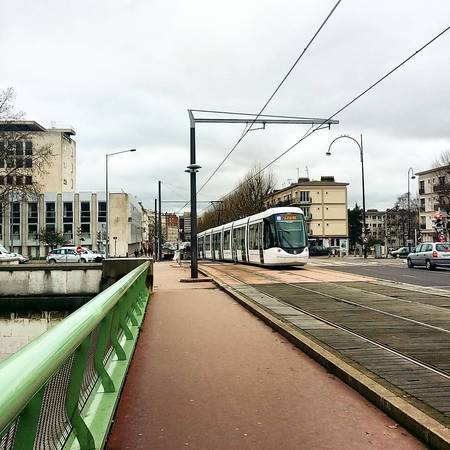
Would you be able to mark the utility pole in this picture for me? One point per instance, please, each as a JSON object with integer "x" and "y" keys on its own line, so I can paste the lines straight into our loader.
{"x": 155, "y": 232}
{"x": 159, "y": 223}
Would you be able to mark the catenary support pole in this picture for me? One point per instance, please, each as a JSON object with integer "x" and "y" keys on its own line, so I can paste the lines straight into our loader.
{"x": 159, "y": 223}
{"x": 155, "y": 233}
{"x": 193, "y": 175}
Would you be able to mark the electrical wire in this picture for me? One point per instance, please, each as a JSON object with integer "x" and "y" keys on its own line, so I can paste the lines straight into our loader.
{"x": 365, "y": 91}
{"x": 270, "y": 98}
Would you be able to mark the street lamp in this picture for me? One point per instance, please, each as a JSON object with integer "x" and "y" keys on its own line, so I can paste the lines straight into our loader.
{"x": 107, "y": 197}
{"x": 192, "y": 169}
{"x": 361, "y": 152}
{"x": 411, "y": 176}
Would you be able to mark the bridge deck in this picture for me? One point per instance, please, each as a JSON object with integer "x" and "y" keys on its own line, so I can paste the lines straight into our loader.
{"x": 207, "y": 374}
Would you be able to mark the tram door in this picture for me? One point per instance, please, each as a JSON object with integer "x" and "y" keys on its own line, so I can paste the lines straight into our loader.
{"x": 259, "y": 234}
{"x": 234, "y": 244}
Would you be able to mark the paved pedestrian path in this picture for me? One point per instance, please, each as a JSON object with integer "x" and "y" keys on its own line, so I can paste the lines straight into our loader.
{"x": 207, "y": 374}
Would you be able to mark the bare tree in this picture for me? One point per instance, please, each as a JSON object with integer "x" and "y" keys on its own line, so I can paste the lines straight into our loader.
{"x": 22, "y": 161}
{"x": 246, "y": 199}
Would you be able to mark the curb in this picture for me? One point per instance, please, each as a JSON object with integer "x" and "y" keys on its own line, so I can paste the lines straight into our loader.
{"x": 426, "y": 428}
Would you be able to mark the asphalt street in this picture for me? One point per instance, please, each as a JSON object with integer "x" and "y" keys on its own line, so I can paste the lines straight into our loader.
{"x": 439, "y": 278}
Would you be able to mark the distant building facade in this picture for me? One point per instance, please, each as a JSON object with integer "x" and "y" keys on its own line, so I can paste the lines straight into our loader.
{"x": 79, "y": 216}
{"x": 170, "y": 227}
{"x": 60, "y": 173}
{"x": 434, "y": 188}
{"x": 324, "y": 203}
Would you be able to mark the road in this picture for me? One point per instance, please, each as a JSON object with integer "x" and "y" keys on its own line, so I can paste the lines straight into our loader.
{"x": 394, "y": 270}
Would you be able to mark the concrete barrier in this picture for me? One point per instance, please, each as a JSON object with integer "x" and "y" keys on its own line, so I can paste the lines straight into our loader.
{"x": 47, "y": 281}
{"x": 116, "y": 268}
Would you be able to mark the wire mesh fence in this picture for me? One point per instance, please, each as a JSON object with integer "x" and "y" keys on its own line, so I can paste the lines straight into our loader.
{"x": 52, "y": 419}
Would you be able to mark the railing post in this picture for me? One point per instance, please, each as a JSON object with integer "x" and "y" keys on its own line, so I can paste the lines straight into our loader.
{"x": 28, "y": 422}
{"x": 102, "y": 341}
{"x": 82, "y": 432}
{"x": 120, "y": 353}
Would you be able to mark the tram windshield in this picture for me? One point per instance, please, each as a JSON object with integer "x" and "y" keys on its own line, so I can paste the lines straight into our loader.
{"x": 286, "y": 231}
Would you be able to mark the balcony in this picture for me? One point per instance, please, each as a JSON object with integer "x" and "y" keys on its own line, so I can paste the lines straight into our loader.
{"x": 423, "y": 226}
{"x": 441, "y": 188}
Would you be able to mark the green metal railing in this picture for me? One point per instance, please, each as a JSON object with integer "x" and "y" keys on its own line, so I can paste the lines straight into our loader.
{"x": 56, "y": 391}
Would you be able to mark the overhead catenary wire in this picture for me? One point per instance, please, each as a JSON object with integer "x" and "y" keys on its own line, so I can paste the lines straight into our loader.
{"x": 346, "y": 105}
{"x": 269, "y": 99}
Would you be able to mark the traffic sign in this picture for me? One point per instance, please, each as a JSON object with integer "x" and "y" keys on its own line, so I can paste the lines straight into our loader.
{"x": 78, "y": 250}
{"x": 365, "y": 240}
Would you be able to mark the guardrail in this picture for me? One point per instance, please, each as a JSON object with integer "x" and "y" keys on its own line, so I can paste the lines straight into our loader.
{"x": 60, "y": 391}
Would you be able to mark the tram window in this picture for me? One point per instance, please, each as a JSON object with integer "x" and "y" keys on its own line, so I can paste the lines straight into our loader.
{"x": 216, "y": 241}
{"x": 253, "y": 237}
{"x": 226, "y": 240}
{"x": 239, "y": 238}
{"x": 207, "y": 243}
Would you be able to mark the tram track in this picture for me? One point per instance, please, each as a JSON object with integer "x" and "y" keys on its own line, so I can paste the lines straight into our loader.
{"x": 419, "y": 363}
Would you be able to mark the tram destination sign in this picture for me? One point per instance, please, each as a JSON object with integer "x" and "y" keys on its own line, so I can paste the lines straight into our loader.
{"x": 287, "y": 217}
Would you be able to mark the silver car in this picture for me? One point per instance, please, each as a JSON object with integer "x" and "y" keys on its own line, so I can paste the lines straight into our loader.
{"x": 430, "y": 255}
{"x": 63, "y": 255}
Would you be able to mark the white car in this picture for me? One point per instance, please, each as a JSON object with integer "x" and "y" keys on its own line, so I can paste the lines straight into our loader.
{"x": 63, "y": 255}
{"x": 93, "y": 256}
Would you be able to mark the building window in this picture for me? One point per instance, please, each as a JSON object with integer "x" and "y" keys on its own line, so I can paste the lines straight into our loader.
{"x": 28, "y": 148}
{"x": 32, "y": 221}
{"x": 1, "y": 222}
{"x": 304, "y": 196}
{"x": 85, "y": 217}
{"x": 68, "y": 220}
{"x": 50, "y": 216}
{"x": 422, "y": 187}
{"x": 15, "y": 220}
{"x": 28, "y": 180}
{"x": 102, "y": 212}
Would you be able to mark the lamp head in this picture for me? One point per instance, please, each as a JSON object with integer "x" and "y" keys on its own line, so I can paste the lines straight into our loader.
{"x": 328, "y": 153}
{"x": 413, "y": 177}
{"x": 132, "y": 149}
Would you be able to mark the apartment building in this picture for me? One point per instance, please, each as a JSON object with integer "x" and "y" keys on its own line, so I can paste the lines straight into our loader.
{"x": 79, "y": 216}
{"x": 29, "y": 136}
{"x": 393, "y": 225}
{"x": 434, "y": 190}
{"x": 324, "y": 203}
{"x": 376, "y": 223}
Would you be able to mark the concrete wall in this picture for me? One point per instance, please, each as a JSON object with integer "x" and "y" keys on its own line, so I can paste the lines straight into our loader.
{"x": 46, "y": 281}
{"x": 18, "y": 329}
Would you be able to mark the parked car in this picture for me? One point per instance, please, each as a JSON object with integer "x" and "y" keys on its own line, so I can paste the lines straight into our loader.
{"x": 93, "y": 256}
{"x": 319, "y": 250}
{"x": 63, "y": 255}
{"x": 3, "y": 252}
{"x": 401, "y": 252}
{"x": 430, "y": 255}
{"x": 18, "y": 256}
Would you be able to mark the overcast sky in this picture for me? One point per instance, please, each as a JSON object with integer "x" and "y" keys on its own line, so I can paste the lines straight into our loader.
{"x": 123, "y": 73}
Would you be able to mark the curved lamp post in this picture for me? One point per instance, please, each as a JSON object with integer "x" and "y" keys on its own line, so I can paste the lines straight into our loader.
{"x": 360, "y": 146}
{"x": 107, "y": 199}
{"x": 411, "y": 176}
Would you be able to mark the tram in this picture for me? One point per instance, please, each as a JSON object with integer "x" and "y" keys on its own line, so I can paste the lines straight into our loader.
{"x": 274, "y": 237}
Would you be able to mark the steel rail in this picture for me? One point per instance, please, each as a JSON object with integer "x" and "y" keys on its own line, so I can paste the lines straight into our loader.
{"x": 23, "y": 374}
{"x": 333, "y": 297}
{"x": 340, "y": 327}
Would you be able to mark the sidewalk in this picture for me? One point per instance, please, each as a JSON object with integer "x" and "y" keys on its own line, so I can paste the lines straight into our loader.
{"x": 207, "y": 374}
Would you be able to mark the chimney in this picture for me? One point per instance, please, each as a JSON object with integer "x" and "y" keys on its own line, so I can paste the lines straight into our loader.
{"x": 303, "y": 180}
{"x": 327, "y": 179}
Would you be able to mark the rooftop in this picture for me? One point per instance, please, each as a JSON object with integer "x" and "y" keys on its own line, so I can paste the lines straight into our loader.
{"x": 434, "y": 169}
{"x": 31, "y": 126}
